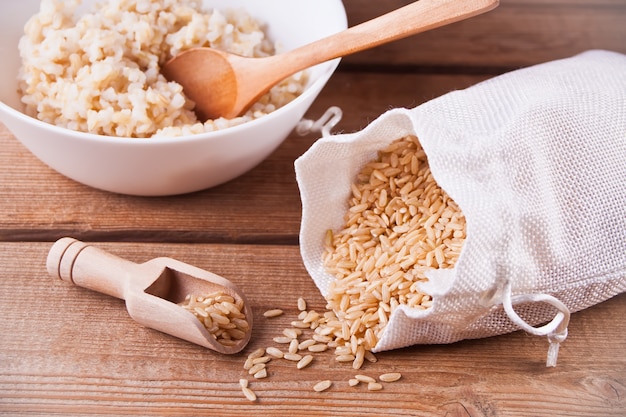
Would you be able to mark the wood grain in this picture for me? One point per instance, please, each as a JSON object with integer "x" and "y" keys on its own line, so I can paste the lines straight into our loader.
{"x": 69, "y": 350}
{"x": 516, "y": 34}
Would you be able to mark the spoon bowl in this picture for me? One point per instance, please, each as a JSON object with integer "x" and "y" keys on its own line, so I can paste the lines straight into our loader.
{"x": 230, "y": 84}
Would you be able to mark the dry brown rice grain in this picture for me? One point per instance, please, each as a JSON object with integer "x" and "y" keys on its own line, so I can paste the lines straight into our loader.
{"x": 305, "y": 344}
{"x": 374, "y": 386}
{"x": 249, "y": 363}
{"x": 321, "y": 338}
{"x": 250, "y": 395}
{"x": 319, "y": 347}
{"x": 322, "y": 385}
{"x": 343, "y": 350}
{"x": 344, "y": 358}
{"x": 273, "y": 313}
{"x": 298, "y": 324}
{"x": 274, "y": 352}
{"x": 311, "y": 317}
{"x": 364, "y": 378}
{"x": 256, "y": 368}
{"x": 257, "y": 353}
{"x": 359, "y": 357}
{"x": 301, "y": 304}
{"x": 262, "y": 359}
{"x": 283, "y": 340}
{"x": 292, "y": 356}
{"x": 353, "y": 382}
{"x": 294, "y": 346}
{"x": 390, "y": 377}
{"x": 305, "y": 361}
{"x": 370, "y": 357}
{"x": 261, "y": 374}
{"x": 292, "y": 333}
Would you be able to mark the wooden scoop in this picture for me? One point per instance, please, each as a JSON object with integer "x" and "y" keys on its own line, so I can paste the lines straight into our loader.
{"x": 152, "y": 290}
{"x": 226, "y": 85}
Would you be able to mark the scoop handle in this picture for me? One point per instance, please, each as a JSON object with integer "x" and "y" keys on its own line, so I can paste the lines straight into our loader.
{"x": 89, "y": 267}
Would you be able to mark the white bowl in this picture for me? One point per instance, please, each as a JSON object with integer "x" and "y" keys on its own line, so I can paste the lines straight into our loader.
{"x": 168, "y": 166}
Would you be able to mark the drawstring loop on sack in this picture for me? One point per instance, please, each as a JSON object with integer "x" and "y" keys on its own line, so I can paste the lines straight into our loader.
{"x": 555, "y": 330}
{"x": 324, "y": 124}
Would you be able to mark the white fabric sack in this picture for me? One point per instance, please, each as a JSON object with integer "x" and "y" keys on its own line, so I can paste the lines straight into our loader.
{"x": 536, "y": 160}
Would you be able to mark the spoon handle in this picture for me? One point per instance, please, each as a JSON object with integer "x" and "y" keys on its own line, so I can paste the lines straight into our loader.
{"x": 89, "y": 267}
{"x": 419, "y": 16}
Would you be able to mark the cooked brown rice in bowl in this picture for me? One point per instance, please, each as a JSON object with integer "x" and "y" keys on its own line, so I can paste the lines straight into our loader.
{"x": 97, "y": 71}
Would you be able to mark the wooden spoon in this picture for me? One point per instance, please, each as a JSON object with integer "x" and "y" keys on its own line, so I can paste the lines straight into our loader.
{"x": 152, "y": 290}
{"x": 226, "y": 85}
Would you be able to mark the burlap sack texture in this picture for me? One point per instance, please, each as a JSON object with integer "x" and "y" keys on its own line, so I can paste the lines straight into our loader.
{"x": 536, "y": 160}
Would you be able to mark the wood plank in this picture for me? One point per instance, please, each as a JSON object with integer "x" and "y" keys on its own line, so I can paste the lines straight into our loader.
{"x": 38, "y": 204}
{"x": 69, "y": 351}
{"x": 517, "y": 34}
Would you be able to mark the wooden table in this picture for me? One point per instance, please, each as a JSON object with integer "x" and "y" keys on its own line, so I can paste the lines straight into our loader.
{"x": 65, "y": 350}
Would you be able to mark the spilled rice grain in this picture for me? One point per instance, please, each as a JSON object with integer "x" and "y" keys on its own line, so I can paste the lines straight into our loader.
{"x": 261, "y": 374}
{"x": 250, "y": 395}
{"x": 256, "y": 368}
{"x": 374, "y": 386}
{"x": 364, "y": 378}
{"x": 273, "y": 313}
{"x": 304, "y": 362}
{"x": 390, "y": 377}
{"x": 295, "y": 357}
{"x": 274, "y": 352}
{"x": 322, "y": 385}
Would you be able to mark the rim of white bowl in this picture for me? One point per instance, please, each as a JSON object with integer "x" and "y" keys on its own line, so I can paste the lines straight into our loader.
{"x": 321, "y": 79}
